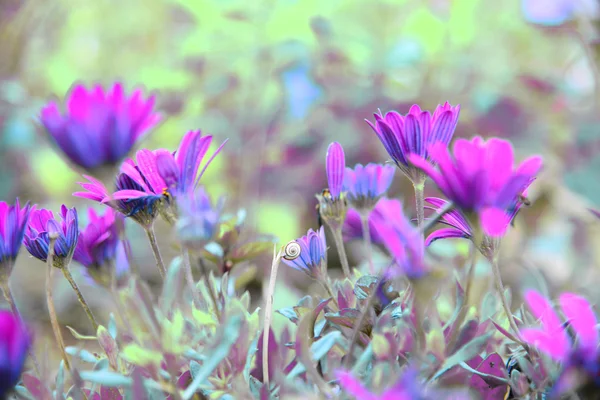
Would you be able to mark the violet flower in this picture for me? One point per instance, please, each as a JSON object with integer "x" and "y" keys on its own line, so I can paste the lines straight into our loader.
{"x": 99, "y": 127}
{"x": 480, "y": 178}
{"x": 15, "y": 341}
{"x": 99, "y": 248}
{"x": 332, "y": 204}
{"x": 307, "y": 254}
{"x": 406, "y": 388}
{"x": 42, "y": 224}
{"x": 413, "y": 133}
{"x": 198, "y": 220}
{"x": 13, "y": 221}
{"x": 365, "y": 185}
{"x": 384, "y": 209}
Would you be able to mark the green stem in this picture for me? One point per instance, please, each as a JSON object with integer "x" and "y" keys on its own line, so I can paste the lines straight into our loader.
{"x": 339, "y": 244}
{"x": 500, "y": 289}
{"x": 84, "y": 305}
{"x": 268, "y": 313}
{"x": 420, "y": 203}
{"x": 156, "y": 251}
{"x": 364, "y": 219}
{"x": 189, "y": 277}
{"x": 50, "y": 300}
{"x": 210, "y": 288}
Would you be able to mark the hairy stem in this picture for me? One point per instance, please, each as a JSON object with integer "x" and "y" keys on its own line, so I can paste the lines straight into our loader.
{"x": 268, "y": 311}
{"x": 339, "y": 244}
{"x": 500, "y": 289}
{"x": 364, "y": 219}
{"x": 156, "y": 251}
{"x": 50, "y": 300}
{"x": 13, "y": 306}
{"x": 420, "y": 203}
{"x": 84, "y": 305}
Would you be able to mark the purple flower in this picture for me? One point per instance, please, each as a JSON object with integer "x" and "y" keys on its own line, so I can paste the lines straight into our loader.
{"x": 41, "y": 224}
{"x": 557, "y": 12}
{"x": 307, "y": 253}
{"x": 100, "y": 127}
{"x": 552, "y": 339}
{"x": 366, "y": 185}
{"x": 414, "y": 133}
{"x": 13, "y": 220}
{"x": 15, "y": 341}
{"x": 179, "y": 171}
{"x": 384, "y": 209}
{"x": 480, "y": 178}
{"x": 406, "y": 388}
{"x": 402, "y": 240}
{"x": 336, "y": 163}
{"x": 198, "y": 220}
{"x": 99, "y": 248}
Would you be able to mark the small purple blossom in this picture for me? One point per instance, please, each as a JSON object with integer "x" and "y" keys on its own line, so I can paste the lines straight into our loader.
{"x": 307, "y": 253}
{"x": 385, "y": 209}
{"x": 480, "y": 178}
{"x": 15, "y": 341}
{"x": 198, "y": 220}
{"x": 413, "y": 133}
{"x": 42, "y": 224}
{"x": 365, "y": 185}
{"x": 99, "y": 127}
{"x": 99, "y": 244}
{"x": 335, "y": 165}
{"x": 13, "y": 221}
{"x": 407, "y": 387}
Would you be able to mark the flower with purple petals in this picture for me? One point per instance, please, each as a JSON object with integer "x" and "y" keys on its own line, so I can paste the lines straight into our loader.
{"x": 15, "y": 341}
{"x": 99, "y": 127}
{"x": 385, "y": 209}
{"x": 480, "y": 178}
{"x": 307, "y": 254}
{"x": 365, "y": 185}
{"x": 42, "y": 224}
{"x": 179, "y": 170}
{"x": 406, "y": 388}
{"x": 413, "y": 133}
{"x": 332, "y": 204}
{"x": 13, "y": 221}
{"x": 98, "y": 247}
{"x": 552, "y": 338}
{"x": 198, "y": 220}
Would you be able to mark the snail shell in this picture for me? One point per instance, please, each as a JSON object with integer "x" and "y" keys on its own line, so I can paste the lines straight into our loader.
{"x": 291, "y": 251}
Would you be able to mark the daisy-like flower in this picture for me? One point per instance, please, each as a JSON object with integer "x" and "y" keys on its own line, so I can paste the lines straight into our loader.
{"x": 413, "y": 133}
{"x": 384, "y": 209}
{"x": 15, "y": 341}
{"x": 332, "y": 205}
{"x": 13, "y": 221}
{"x": 307, "y": 254}
{"x": 406, "y": 388}
{"x": 365, "y": 185}
{"x": 42, "y": 224}
{"x": 551, "y": 338}
{"x": 480, "y": 178}
{"x": 100, "y": 127}
{"x": 99, "y": 248}
{"x": 198, "y": 220}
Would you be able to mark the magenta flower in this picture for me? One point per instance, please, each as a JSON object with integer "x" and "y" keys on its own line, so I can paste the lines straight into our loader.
{"x": 307, "y": 253}
{"x": 366, "y": 185}
{"x": 98, "y": 247}
{"x": 384, "y": 209}
{"x": 407, "y": 387}
{"x": 13, "y": 221}
{"x": 480, "y": 178}
{"x": 179, "y": 171}
{"x": 41, "y": 224}
{"x": 336, "y": 163}
{"x": 99, "y": 127}
{"x": 15, "y": 341}
{"x": 414, "y": 133}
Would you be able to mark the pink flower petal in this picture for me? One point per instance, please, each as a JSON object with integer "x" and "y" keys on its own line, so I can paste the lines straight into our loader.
{"x": 557, "y": 349}
{"x": 582, "y": 318}
{"x": 494, "y": 221}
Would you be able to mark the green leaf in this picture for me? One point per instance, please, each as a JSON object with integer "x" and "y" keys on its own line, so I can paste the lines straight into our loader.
{"x": 82, "y": 354}
{"x": 60, "y": 382}
{"x": 79, "y": 336}
{"x": 106, "y": 378}
{"x": 140, "y": 356}
{"x": 109, "y": 345}
{"x": 112, "y": 326}
{"x": 228, "y": 337}
{"x": 467, "y": 352}
{"x": 173, "y": 286}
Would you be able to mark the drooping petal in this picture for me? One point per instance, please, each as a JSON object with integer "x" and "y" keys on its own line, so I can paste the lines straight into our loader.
{"x": 335, "y": 165}
{"x": 582, "y": 318}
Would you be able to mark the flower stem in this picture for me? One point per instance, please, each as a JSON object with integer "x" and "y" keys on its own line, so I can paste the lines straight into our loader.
{"x": 189, "y": 277}
{"x": 268, "y": 311}
{"x": 500, "y": 289}
{"x": 210, "y": 288}
{"x": 84, "y": 305}
{"x": 339, "y": 244}
{"x": 159, "y": 262}
{"x": 50, "y": 300}
{"x": 13, "y": 306}
{"x": 359, "y": 324}
{"x": 364, "y": 219}
{"x": 419, "y": 187}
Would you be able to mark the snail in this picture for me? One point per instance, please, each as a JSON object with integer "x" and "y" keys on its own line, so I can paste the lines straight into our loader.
{"x": 291, "y": 251}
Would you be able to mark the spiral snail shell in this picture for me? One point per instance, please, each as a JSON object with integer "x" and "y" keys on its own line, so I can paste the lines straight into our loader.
{"x": 291, "y": 251}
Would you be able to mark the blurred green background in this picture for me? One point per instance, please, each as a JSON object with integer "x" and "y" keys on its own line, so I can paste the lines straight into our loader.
{"x": 283, "y": 78}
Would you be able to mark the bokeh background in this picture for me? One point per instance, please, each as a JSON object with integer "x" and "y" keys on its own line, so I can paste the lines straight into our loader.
{"x": 283, "y": 78}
